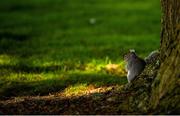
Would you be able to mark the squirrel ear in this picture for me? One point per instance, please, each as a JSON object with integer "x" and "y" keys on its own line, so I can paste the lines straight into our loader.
{"x": 132, "y": 50}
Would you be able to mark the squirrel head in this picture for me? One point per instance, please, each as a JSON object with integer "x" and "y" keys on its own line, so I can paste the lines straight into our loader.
{"x": 130, "y": 55}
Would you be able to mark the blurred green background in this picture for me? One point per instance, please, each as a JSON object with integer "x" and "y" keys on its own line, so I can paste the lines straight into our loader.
{"x": 48, "y": 45}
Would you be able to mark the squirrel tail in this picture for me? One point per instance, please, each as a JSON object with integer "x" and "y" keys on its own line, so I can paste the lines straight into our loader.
{"x": 152, "y": 57}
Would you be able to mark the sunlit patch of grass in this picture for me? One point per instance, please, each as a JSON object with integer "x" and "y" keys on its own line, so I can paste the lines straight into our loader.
{"x": 4, "y": 59}
{"x": 106, "y": 66}
{"x": 77, "y": 89}
{"x": 115, "y": 69}
{"x": 25, "y": 77}
{"x": 7, "y": 59}
{"x": 83, "y": 89}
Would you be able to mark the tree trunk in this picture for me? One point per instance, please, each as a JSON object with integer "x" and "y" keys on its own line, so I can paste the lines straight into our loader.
{"x": 166, "y": 87}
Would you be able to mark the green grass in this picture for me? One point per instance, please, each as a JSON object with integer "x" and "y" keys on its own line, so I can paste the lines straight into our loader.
{"x": 46, "y": 46}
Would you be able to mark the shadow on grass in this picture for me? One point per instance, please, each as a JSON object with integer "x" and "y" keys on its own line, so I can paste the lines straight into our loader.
{"x": 12, "y": 42}
{"x": 45, "y": 87}
{"x": 23, "y": 68}
{"x": 13, "y": 36}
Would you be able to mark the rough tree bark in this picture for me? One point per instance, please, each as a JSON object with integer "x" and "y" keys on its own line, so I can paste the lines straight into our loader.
{"x": 166, "y": 87}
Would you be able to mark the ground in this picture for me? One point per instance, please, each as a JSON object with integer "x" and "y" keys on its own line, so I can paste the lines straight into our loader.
{"x": 94, "y": 103}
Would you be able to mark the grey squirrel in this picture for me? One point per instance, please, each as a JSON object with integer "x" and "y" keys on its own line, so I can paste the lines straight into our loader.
{"x": 135, "y": 65}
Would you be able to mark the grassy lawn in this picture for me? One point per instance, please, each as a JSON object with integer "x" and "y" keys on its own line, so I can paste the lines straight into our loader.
{"x": 51, "y": 45}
